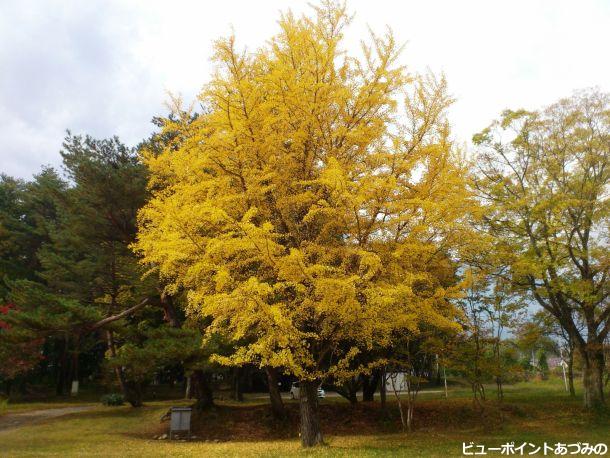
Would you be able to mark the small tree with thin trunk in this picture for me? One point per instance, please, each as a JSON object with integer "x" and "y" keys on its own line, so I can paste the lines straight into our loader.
{"x": 565, "y": 343}
{"x": 411, "y": 364}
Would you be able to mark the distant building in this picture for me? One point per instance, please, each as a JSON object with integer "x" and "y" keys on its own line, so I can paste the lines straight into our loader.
{"x": 396, "y": 381}
{"x": 556, "y": 361}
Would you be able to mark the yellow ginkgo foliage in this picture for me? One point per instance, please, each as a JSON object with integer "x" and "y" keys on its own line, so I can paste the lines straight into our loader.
{"x": 307, "y": 209}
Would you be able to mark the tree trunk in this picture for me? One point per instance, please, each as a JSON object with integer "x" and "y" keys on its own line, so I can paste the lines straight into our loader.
{"x": 369, "y": 385}
{"x": 439, "y": 377}
{"x": 382, "y": 390}
{"x": 593, "y": 371}
{"x": 347, "y": 393}
{"x": 202, "y": 390}
{"x": 275, "y": 397}
{"x": 61, "y": 369}
{"x": 23, "y": 386}
{"x": 403, "y": 420}
{"x": 238, "y": 394}
{"x": 478, "y": 394}
{"x": 188, "y": 393}
{"x": 311, "y": 434}
{"x": 410, "y": 411}
{"x": 571, "y": 371}
{"x": 134, "y": 393}
{"x": 349, "y": 390}
{"x": 499, "y": 389}
{"x": 74, "y": 369}
{"x": 352, "y": 396}
{"x": 169, "y": 311}
{"x": 117, "y": 370}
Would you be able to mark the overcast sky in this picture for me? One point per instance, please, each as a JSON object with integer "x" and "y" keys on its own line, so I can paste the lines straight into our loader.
{"x": 104, "y": 67}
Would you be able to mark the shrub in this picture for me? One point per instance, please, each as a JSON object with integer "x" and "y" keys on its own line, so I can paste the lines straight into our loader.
{"x": 113, "y": 399}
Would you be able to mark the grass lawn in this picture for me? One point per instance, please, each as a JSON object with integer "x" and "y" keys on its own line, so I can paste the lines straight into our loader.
{"x": 533, "y": 412}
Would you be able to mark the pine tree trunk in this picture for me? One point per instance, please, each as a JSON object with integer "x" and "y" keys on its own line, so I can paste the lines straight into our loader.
{"x": 169, "y": 311}
{"x": 74, "y": 369}
{"x": 23, "y": 386}
{"x": 593, "y": 371}
{"x": 202, "y": 390}
{"x": 311, "y": 434}
{"x": 61, "y": 369}
{"x": 117, "y": 370}
{"x": 275, "y": 397}
{"x": 134, "y": 394}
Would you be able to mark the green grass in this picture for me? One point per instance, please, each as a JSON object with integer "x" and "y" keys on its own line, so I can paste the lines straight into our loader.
{"x": 538, "y": 412}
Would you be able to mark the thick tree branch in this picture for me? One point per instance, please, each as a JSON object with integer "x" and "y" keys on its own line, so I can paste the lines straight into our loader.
{"x": 123, "y": 314}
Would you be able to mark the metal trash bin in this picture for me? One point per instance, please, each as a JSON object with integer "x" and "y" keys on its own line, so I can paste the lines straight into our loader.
{"x": 180, "y": 421}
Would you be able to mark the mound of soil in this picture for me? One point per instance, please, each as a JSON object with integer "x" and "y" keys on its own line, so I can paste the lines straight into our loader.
{"x": 255, "y": 422}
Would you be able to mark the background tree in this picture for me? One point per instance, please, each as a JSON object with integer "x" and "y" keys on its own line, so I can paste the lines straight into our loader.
{"x": 89, "y": 259}
{"x": 147, "y": 351}
{"x": 505, "y": 313}
{"x": 411, "y": 363}
{"x": 470, "y": 352}
{"x": 27, "y": 212}
{"x": 19, "y": 353}
{"x": 66, "y": 259}
{"x": 544, "y": 177}
{"x": 565, "y": 343}
{"x": 533, "y": 338}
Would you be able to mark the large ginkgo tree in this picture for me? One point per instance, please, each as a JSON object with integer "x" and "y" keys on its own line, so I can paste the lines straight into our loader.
{"x": 306, "y": 209}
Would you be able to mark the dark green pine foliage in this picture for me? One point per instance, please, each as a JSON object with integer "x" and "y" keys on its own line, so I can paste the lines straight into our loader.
{"x": 66, "y": 252}
{"x": 67, "y": 264}
{"x": 89, "y": 258}
{"x": 27, "y": 211}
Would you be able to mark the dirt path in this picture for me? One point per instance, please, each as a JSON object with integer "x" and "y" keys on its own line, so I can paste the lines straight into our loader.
{"x": 16, "y": 420}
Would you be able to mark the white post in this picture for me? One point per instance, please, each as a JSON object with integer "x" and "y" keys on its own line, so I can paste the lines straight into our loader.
{"x": 563, "y": 368}
{"x": 74, "y": 390}
{"x": 445, "y": 377}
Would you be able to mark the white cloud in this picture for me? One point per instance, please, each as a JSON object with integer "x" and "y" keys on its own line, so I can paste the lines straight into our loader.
{"x": 104, "y": 68}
